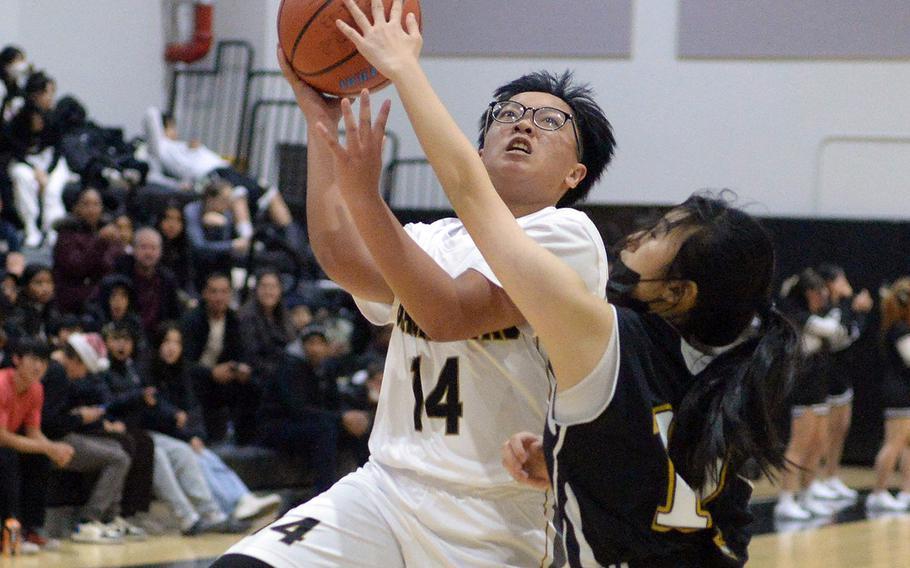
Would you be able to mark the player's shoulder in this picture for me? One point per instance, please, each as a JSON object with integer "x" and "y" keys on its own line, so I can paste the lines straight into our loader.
{"x": 420, "y": 230}
{"x": 561, "y": 223}
{"x": 562, "y": 216}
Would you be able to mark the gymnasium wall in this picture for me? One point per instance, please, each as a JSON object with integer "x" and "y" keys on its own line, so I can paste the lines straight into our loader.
{"x": 801, "y": 137}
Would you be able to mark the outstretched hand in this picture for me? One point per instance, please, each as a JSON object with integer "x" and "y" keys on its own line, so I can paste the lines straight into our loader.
{"x": 358, "y": 163}
{"x": 317, "y": 108}
{"x": 522, "y": 456}
{"x": 388, "y": 46}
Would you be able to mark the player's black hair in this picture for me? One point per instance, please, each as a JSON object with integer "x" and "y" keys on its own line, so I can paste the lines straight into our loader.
{"x": 594, "y": 130}
{"x": 732, "y": 410}
{"x": 22, "y": 346}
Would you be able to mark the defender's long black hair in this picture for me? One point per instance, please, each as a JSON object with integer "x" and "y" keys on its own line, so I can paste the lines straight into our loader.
{"x": 594, "y": 130}
{"x": 731, "y": 413}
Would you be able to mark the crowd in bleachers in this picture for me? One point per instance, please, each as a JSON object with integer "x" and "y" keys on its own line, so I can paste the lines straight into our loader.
{"x": 156, "y": 301}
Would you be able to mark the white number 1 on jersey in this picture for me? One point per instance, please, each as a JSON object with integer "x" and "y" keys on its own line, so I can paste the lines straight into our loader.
{"x": 683, "y": 509}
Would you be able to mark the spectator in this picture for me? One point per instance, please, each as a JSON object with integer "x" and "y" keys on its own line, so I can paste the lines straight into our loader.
{"x": 9, "y": 287}
{"x": 178, "y": 479}
{"x": 99, "y": 155}
{"x": 301, "y": 413}
{"x": 35, "y": 313}
{"x": 85, "y": 252}
{"x": 175, "y": 254}
{"x": 41, "y": 91}
{"x": 38, "y": 173}
{"x": 214, "y": 349}
{"x": 155, "y": 287}
{"x": 74, "y": 413}
{"x": 193, "y": 163}
{"x": 214, "y": 244}
{"x": 300, "y": 313}
{"x": 178, "y": 419}
{"x": 14, "y": 72}
{"x": 125, "y": 231}
{"x": 116, "y": 304}
{"x": 11, "y": 259}
{"x": 265, "y": 324}
{"x": 24, "y": 450}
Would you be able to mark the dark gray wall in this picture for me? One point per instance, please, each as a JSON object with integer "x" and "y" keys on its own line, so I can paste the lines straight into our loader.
{"x": 585, "y": 28}
{"x": 803, "y": 29}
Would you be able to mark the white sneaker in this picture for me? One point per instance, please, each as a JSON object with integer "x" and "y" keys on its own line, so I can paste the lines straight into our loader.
{"x": 819, "y": 490}
{"x": 838, "y": 486}
{"x": 817, "y": 507}
{"x": 883, "y": 501}
{"x": 96, "y": 533}
{"x": 904, "y": 499}
{"x": 28, "y": 548}
{"x": 128, "y": 530}
{"x": 788, "y": 508}
{"x": 250, "y": 505}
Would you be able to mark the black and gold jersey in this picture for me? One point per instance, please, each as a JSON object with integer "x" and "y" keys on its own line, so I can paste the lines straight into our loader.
{"x": 618, "y": 499}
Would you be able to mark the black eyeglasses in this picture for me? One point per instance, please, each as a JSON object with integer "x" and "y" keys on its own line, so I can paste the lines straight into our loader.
{"x": 545, "y": 118}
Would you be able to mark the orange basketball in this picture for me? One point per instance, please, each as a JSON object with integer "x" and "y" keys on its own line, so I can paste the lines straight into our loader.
{"x": 319, "y": 52}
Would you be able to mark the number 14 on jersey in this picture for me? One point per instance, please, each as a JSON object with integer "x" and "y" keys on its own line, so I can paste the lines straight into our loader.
{"x": 443, "y": 401}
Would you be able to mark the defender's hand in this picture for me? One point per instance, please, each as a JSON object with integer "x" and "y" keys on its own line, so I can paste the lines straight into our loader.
{"x": 522, "y": 456}
{"x": 388, "y": 46}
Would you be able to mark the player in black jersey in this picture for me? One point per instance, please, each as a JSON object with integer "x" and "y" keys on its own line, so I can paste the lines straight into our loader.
{"x": 853, "y": 310}
{"x": 659, "y": 404}
{"x": 807, "y": 303}
{"x": 895, "y": 330}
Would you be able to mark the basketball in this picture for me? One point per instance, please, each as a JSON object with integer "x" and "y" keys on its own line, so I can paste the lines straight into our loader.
{"x": 320, "y": 54}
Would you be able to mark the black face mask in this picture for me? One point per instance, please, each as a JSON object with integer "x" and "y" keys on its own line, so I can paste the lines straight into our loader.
{"x": 620, "y": 285}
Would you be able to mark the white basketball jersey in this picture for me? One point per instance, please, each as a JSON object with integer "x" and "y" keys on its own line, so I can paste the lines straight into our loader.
{"x": 446, "y": 408}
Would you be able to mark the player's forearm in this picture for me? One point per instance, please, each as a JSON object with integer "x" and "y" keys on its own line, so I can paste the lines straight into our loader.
{"x": 453, "y": 157}
{"x": 426, "y": 290}
{"x": 338, "y": 247}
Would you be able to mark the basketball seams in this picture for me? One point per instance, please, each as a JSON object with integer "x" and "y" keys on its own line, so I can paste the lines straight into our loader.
{"x": 341, "y": 73}
{"x": 306, "y": 26}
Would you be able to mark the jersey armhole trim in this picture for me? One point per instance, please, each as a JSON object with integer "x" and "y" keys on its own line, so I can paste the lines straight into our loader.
{"x": 590, "y": 397}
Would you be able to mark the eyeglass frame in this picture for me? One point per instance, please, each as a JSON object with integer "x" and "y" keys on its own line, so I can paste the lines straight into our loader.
{"x": 569, "y": 118}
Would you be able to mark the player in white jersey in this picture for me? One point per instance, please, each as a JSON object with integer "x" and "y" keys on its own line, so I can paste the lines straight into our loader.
{"x": 463, "y": 369}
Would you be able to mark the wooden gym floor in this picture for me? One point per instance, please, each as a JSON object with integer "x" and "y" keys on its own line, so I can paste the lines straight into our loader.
{"x": 860, "y": 543}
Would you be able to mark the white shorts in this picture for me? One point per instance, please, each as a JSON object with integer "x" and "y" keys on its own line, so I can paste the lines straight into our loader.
{"x": 389, "y": 518}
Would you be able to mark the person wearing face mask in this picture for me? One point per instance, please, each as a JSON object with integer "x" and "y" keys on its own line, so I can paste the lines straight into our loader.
{"x": 14, "y": 72}
{"x": 627, "y": 488}
{"x": 38, "y": 171}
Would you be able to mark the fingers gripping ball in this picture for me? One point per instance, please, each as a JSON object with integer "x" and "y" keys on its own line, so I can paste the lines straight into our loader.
{"x": 320, "y": 54}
